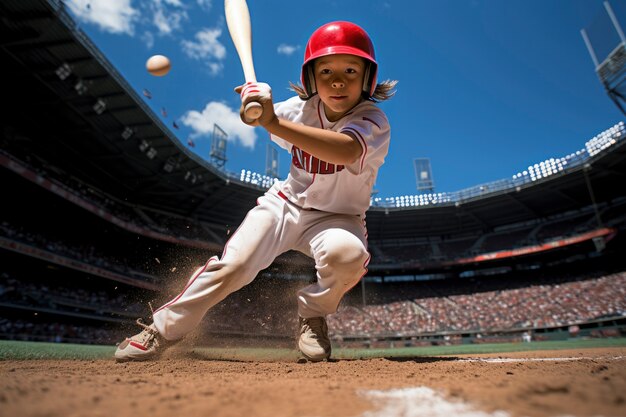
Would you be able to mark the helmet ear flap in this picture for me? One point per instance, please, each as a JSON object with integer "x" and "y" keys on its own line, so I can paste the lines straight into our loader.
{"x": 366, "y": 79}
{"x": 308, "y": 80}
{"x": 369, "y": 78}
{"x": 310, "y": 86}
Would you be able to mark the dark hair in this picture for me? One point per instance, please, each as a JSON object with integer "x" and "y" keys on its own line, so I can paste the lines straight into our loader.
{"x": 383, "y": 91}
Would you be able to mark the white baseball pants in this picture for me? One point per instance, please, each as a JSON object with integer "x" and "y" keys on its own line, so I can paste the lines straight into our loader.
{"x": 337, "y": 243}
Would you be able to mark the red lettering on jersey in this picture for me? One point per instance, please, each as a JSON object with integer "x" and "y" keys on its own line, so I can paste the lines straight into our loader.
{"x": 305, "y": 161}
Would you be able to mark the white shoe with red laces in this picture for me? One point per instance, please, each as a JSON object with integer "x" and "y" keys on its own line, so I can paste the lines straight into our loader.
{"x": 145, "y": 345}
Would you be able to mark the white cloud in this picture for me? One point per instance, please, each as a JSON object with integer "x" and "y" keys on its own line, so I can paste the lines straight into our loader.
{"x": 215, "y": 67}
{"x": 285, "y": 49}
{"x": 119, "y": 16}
{"x": 115, "y": 16}
{"x": 206, "y": 46}
{"x": 205, "y": 4}
{"x": 168, "y": 20}
{"x": 148, "y": 39}
{"x": 228, "y": 119}
{"x": 175, "y": 3}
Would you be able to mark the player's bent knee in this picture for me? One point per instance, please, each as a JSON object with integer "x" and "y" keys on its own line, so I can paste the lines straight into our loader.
{"x": 347, "y": 256}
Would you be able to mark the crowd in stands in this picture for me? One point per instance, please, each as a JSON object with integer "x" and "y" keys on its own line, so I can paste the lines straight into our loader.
{"x": 38, "y": 304}
{"x": 56, "y": 332}
{"x": 138, "y": 217}
{"x": 532, "y": 306}
{"x": 82, "y": 253}
{"x": 88, "y": 302}
{"x": 427, "y": 308}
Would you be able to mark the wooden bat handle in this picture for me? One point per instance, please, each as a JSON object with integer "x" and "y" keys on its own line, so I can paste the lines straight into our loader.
{"x": 253, "y": 110}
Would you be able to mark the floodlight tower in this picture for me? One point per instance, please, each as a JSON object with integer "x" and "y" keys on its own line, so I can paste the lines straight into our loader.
{"x": 271, "y": 162}
{"x": 218, "y": 146}
{"x": 612, "y": 69}
{"x": 423, "y": 175}
{"x": 605, "y": 37}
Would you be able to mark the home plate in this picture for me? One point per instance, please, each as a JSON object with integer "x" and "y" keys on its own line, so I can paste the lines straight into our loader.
{"x": 420, "y": 402}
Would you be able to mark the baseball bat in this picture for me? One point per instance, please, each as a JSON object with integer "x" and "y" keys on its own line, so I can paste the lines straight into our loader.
{"x": 238, "y": 22}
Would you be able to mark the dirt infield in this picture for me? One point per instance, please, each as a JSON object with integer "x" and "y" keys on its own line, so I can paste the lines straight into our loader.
{"x": 584, "y": 382}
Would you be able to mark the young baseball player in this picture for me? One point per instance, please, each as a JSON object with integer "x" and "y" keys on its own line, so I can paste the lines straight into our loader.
{"x": 338, "y": 138}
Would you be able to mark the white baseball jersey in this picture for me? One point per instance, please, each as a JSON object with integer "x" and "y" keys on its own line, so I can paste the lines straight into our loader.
{"x": 320, "y": 185}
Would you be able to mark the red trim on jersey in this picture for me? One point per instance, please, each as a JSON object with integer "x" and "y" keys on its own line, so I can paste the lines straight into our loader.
{"x": 361, "y": 141}
{"x": 191, "y": 281}
{"x": 371, "y": 121}
{"x": 319, "y": 114}
{"x": 283, "y": 196}
{"x": 138, "y": 345}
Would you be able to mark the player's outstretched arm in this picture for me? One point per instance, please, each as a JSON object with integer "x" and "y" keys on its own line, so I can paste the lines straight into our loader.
{"x": 333, "y": 147}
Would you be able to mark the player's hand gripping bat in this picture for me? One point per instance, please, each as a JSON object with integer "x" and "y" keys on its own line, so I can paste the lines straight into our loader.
{"x": 238, "y": 21}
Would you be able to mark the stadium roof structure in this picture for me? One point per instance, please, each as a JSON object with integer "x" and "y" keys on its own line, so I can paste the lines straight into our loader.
{"x": 600, "y": 179}
{"x": 71, "y": 109}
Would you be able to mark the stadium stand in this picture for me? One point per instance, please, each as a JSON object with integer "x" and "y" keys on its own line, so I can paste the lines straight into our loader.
{"x": 488, "y": 307}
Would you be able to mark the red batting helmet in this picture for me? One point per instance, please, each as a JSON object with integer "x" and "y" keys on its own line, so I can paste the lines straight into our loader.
{"x": 339, "y": 38}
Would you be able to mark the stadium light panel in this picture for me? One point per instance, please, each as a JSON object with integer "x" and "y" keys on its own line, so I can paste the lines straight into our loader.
{"x": 64, "y": 71}
{"x": 80, "y": 87}
{"x": 143, "y": 145}
{"x": 100, "y": 106}
{"x": 170, "y": 164}
{"x": 127, "y": 133}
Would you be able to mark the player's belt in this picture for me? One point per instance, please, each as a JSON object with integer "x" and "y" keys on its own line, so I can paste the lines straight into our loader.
{"x": 284, "y": 197}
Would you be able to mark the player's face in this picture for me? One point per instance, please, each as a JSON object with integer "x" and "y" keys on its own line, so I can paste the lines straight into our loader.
{"x": 339, "y": 82}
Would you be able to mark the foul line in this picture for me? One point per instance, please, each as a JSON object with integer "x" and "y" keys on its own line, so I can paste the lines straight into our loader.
{"x": 507, "y": 360}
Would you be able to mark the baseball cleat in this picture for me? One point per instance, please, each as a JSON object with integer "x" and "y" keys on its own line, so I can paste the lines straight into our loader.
{"x": 313, "y": 341}
{"x": 145, "y": 345}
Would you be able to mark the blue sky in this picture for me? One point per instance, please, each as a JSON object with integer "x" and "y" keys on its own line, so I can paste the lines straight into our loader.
{"x": 486, "y": 87}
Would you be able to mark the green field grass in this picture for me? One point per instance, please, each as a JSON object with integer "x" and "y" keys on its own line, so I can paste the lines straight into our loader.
{"x": 13, "y": 350}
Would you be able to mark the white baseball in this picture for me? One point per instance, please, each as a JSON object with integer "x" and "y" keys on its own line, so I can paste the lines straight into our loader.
{"x": 158, "y": 65}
